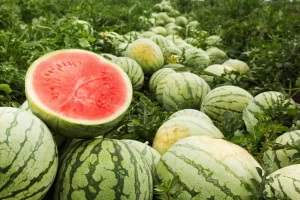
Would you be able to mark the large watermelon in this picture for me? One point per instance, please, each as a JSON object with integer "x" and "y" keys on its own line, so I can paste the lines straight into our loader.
{"x": 103, "y": 169}
{"x": 210, "y": 168}
{"x": 147, "y": 53}
{"x": 28, "y": 155}
{"x": 192, "y": 112}
{"x": 157, "y": 77}
{"x": 283, "y": 183}
{"x": 77, "y": 93}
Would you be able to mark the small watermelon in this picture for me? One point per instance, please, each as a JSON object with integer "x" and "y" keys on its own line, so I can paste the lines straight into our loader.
{"x": 133, "y": 70}
{"x": 77, "y": 93}
{"x": 237, "y": 65}
{"x": 28, "y": 155}
{"x": 103, "y": 169}
{"x": 147, "y": 53}
{"x": 225, "y": 98}
{"x": 209, "y": 168}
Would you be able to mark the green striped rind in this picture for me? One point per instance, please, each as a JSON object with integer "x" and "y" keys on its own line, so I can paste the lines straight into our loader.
{"x": 28, "y": 156}
{"x": 157, "y": 77}
{"x": 225, "y": 98}
{"x": 132, "y": 69}
{"x": 276, "y": 159}
{"x": 59, "y": 139}
{"x": 171, "y": 50}
{"x": 183, "y": 46}
{"x": 215, "y": 70}
{"x": 262, "y": 102}
{"x": 147, "y": 53}
{"x": 103, "y": 169}
{"x": 162, "y": 42}
{"x": 196, "y": 58}
{"x": 192, "y": 112}
{"x": 180, "y": 127}
{"x": 210, "y": 168}
{"x": 147, "y": 34}
{"x": 237, "y": 65}
{"x": 216, "y": 55}
{"x": 151, "y": 155}
{"x": 283, "y": 183}
{"x": 161, "y": 86}
{"x": 184, "y": 90}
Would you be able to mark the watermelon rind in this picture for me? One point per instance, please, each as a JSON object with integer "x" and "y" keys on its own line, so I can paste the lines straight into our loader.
{"x": 28, "y": 155}
{"x": 103, "y": 169}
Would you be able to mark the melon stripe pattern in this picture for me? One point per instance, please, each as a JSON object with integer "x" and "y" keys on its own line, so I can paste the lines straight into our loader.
{"x": 184, "y": 90}
{"x": 196, "y": 58}
{"x": 283, "y": 183}
{"x": 162, "y": 42}
{"x": 192, "y": 112}
{"x": 225, "y": 98}
{"x": 103, "y": 169}
{"x": 210, "y": 168}
{"x": 267, "y": 100}
{"x": 59, "y": 139}
{"x": 132, "y": 69}
{"x": 28, "y": 155}
{"x": 180, "y": 127}
{"x": 276, "y": 159}
{"x": 159, "y": 91}
{"x": 157, "y": 77}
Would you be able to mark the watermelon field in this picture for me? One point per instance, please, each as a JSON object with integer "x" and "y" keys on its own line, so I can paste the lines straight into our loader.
{"x": 149, "y": 99}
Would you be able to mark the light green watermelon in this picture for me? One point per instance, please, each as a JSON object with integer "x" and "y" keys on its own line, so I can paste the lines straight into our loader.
{"x": 225, "y": 98}
{"x": 213, "y": 40}
{"x": 157, "y": 77}
{"x": 180, "y": 127}
{"x": 28, "y": 155}
{"x": 132, "y": 69}
{"x": 77, "y": 93}
{"x": 103, "y": 169}
{"x": 162, "y": 42}
{"x": 184, "y": 90}
{"x": 209, "y": 168}
{"x": 237, "y": 65}
{"x": 283, "y": 183}
{"x": 266, "y": 101}
{"x": 147, "y": 53}
{"x": 196, "y": 58}
{"x": 192, "y": 112}
{"x": 216, "y": 55}
{"x": 274, "y": 159}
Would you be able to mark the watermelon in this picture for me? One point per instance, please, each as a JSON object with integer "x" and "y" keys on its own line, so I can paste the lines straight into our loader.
{"x": 133, "y": 70}
{"x": 162, "y": 42}
{"x": 213, "y": 40}
{"x": 160, "y": 84}
{"x": 209, "y": 168}
{"x": 59, "y": 139}
{"x": 159, "y": 29}
{"x": 265, "y": 102}
{"x": 157, "y": 77}
{"x": 216, "y": 55}
{"x": 77, "y": 93}
{"x": 181, "y": 21}
{"x": 192, "y": 112}
{"x": 216, "y": 70}
{"x": 28, "y": 155}
{"x": 274, "y": 159}
{"x": 237, "y": 65}
{"x": 147, "y": 53}
{"x": 225, "y": 98}
{"x": 103, "y": 169}
{"x": 180, "y": 127}
{"x": 184, "y": 90}
{"x": 151, "y": 155}
{"x": 196, "y": 58}
{"x": 283, "y": 183}
{"x": 171, "y": 50}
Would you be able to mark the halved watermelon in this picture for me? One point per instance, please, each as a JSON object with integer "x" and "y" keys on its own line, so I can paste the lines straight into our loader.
{"x": 77, "y": 93}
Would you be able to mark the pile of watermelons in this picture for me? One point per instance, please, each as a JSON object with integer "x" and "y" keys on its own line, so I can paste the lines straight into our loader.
{"x": 57, "y": 144}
